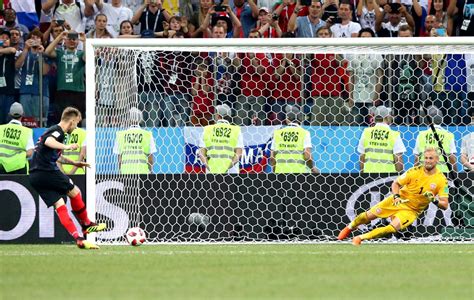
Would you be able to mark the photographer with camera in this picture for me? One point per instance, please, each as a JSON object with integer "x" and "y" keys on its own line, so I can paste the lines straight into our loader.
{"x": 342, "y": 26}
{"x": 396, "y": 12}
{"x": 7, "y": 79}
{"x": 268, "y": 25}
{"x": 224, "y": 17}
{"x": 307, "y": 26}
{"x": 28, "y": 62}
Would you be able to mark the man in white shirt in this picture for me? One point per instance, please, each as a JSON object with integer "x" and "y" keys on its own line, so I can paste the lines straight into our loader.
{"x": 116, "y": 13}
{"x": 346, "y": 28}
{"x": 70, "y": 11}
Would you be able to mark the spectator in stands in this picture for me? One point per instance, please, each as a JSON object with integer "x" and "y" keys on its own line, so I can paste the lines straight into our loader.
{"x": 367, "y": 11}
{"x": 283, "y": 12}
{"x": 287, "y": 80}
{"x": 176, "y": 24}
{"x": 54, "y": 29}
{"x": 100, "y": 29}
{"x": 365, "y": 81}
{"x": 395, "y": 12}
{"x": 247, "y": 13}
{"x": 405, "y": 31}
{"x": 256, "y": 75}
{"x": 176, "y": 69}
{"x": 7, "y": 77}
{"x": 70, "y": 11}
{"x": 346, "y": 28}
{"x": 202, "y": 89}
{"x": 126, "y": 30}
{"x": 116, "y": 13}
{"x": 71, "y": 70}
{"x": 150, "y": 16}
{"x": 197, "y": 28}
{"x": 430, "y": 23}
{"x": 306, "y": 26}
{"x": 28, "y": 62}
{"x": 11, "y": 22}
{"x": 462, "y": 12}
{"x": 267, "y": 25}
{"x": 327, "y": 88}
{"x": 330, "y": 9}
{"x": 16, "y": 41}
{"x": 226, "y": 19}
{"x": 439, "y": 9}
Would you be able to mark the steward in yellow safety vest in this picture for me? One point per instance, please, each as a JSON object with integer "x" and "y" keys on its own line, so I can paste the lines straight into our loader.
{"x": 426, "y": 139}
{"x": 291, "y": 146}
{"x": 222, "y": 143}
{"x": 380, "y": 147}
{"x": 135, "y": 147}
{"x": 16, "y": 143}
{"x": 78, "y": 136}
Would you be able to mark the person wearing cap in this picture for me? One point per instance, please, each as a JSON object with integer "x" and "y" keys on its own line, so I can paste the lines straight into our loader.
{"x": 291, "y": 146}
{"x": 135, "y": 146}
{"x": 467, "y": 146}
{"x": 380, "y": 147}
{"x": 427, "y": 139}
{"x": 77, "y": 136}
{"x": 7, "y": 75}
{"x": 226, "y": 19}
{"x": 16, "y": 143}
{"x": 221, "y": 144}
{"x": 268, "y": 25}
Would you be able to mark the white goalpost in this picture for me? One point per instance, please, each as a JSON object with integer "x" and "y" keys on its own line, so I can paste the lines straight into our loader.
{"x": 334, "y": 83}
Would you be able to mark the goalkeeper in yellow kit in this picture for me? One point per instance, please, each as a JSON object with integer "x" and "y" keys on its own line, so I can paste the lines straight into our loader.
{"x": 412, "y": 192}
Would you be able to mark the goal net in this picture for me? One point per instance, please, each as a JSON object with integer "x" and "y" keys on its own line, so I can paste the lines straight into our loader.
{"x": 171, "y": 88}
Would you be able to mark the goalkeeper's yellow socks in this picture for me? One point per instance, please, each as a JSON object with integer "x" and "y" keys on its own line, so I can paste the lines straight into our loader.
{"x": 378, "y": 232}
{"x": 359, "y": 220}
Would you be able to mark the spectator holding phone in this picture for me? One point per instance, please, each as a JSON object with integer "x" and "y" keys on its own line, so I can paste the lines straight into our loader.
{"x": 28, "y": 62}
{"x": 151, "y": 17}
{"x": 71, "y": 70}
{"x": 342, "y": 26}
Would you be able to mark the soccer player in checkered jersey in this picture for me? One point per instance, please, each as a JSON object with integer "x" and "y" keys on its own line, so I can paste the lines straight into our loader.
{"x": 53, "y": 186}
{"x": 412, "y": 192}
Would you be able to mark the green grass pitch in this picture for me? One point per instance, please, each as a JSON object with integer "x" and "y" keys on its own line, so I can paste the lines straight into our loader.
{"x": 238, "y": 271}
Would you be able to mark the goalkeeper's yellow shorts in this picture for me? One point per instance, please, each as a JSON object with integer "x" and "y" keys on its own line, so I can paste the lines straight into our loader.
{"x": 386, "y": 209}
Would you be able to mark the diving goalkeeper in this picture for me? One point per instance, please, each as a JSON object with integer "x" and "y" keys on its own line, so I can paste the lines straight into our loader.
{"x": 412, "y": 192}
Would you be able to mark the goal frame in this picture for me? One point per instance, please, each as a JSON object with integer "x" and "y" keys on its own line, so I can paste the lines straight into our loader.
{"x": 415, "y": 45}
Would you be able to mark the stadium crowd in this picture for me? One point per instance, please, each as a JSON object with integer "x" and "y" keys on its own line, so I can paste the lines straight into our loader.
{"x": 330, "y": 89}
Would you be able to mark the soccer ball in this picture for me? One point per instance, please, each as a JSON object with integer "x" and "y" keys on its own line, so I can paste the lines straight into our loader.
{"x": 135, "y": 236}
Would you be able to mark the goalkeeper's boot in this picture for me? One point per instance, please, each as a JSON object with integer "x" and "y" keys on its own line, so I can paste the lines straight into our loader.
{"x": 344, "y": 233}
{"x": 83, "y": 244}
{"x": 93, "y": 227}
{"x": 356, "y": 241}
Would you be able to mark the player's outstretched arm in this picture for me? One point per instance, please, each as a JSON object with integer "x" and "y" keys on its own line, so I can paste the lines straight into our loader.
{"x": 54, "y": 144}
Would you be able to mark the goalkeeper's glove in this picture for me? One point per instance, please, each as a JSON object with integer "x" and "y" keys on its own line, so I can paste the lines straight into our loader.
{"x": 429, "y": 196}
{"x": 397, "y": 200}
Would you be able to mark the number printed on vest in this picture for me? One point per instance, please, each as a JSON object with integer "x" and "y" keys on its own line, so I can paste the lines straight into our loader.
{"x": 430, "y": 139}
{"x": 74, "y": 138}
{"x": 222, "y": 132}
{"x": 12, "y": 133}
{"x": 379, "y": 134}
{"x": 290, "y": 136}
{"x": 134, "y": 138}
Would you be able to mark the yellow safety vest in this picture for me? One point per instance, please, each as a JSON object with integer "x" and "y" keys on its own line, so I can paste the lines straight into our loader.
{"x": 379, "y": 142}
{"x": 289, "y": 150}
{"x": 76, "y": 137}
{"x": 13, "y": 141}
{"x": 426, "y": 139}
{"x": 134, "y": 146}
{"x": 220, "y": 141}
